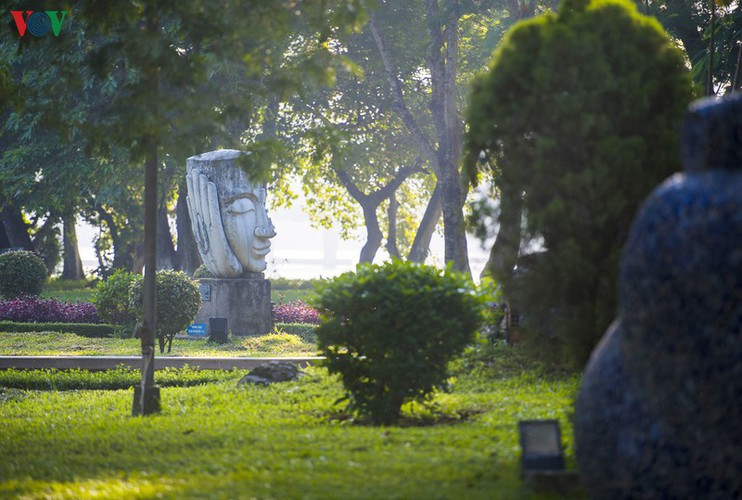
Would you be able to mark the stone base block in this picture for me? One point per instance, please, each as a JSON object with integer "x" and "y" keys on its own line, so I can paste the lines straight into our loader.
{"x": 245, "y": 302}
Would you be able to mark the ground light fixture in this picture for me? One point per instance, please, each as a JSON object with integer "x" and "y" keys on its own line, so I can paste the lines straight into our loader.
{"x": 541, "y": 446}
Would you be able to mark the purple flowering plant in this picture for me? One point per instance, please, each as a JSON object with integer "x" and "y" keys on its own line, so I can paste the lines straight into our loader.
{"x": 35, "y": 310}
{"x": 296, "y": 311}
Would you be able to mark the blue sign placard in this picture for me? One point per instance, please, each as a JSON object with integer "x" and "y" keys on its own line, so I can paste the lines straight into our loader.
{"x": 197, "y": 329}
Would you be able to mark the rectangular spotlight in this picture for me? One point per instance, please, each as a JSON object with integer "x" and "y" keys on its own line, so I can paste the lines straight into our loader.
{"x": 541, "y": 445}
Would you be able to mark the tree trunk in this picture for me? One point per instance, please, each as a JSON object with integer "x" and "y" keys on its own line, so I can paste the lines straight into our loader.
{"x": 370, "y": 202}
{"x": 454, "y": 229}
{"x": 187, "y": 257}
{"x": 504, "y": 252}
{"x": 13, "y": 229}
{"x": 124, "y": 256}
{"x": 450, "y": 138}
{"x": 72, "y": 264}
{"x": 165, "y": 248}
{"x": 374, "y": 235}
{"x": 391, "y": 240}
{"x": 147, "y": 395}
{"x": 442, "y": 60}
{"x": 421, "y": 244}
{"x": 45, "y": 242}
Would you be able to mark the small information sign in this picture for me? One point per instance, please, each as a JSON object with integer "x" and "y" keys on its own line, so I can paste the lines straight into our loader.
{"x": 205, "y": 292}
{"x": 197, "y": 329}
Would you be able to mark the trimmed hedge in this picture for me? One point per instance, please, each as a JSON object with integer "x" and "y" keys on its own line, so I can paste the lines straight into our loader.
{"x": 121, "y": 378}
{"x": 97, "y": 330}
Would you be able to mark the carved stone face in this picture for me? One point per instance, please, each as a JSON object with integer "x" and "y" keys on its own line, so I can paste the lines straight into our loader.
{"x": 220, "y": 191}
{"x": 248, "y": 228}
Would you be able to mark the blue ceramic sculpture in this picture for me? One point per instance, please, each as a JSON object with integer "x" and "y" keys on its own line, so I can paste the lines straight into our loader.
{"x": 659, "y": 414}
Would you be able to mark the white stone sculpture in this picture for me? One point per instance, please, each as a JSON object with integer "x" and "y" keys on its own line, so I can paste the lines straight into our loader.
{"x": 228, "y": 215}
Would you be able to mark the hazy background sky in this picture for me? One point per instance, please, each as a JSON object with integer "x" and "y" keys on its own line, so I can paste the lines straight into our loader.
{"x": 301, "y": 251}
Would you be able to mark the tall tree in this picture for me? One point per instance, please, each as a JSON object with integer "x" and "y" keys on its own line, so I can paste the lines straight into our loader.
{"x": 168, "y": 104}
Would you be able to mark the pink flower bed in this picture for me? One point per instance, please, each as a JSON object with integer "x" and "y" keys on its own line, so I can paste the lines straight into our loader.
{"x": 35, "y": 310}
{"x": 296, "y": 311}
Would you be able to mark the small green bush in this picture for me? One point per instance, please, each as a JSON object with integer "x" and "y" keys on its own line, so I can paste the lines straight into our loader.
{"x": 112, "y": 298}
{"x": 178, "y": 301}
{"x": 91, "y": 330}
{"x": 21, "y": 273}
{"x": 390, "y": 331}
{"x": 202, "y": 272}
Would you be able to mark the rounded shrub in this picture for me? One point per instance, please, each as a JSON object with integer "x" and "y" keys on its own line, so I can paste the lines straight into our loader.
{"x": 112, "y": 298}
{"x": 178, "y": 301}
{"x": 21, "y": 273}
{"x": 390, "y": 330}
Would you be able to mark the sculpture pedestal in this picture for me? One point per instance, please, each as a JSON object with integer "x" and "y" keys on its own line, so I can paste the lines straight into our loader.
{"x": 245, "y": 302}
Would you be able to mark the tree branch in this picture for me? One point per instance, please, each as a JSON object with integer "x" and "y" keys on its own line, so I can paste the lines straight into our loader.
{"x": 348, "y": 184}
{"x": 402, "y": 175}
{"x": 422, "y": 140}
{"x": 436, "y": 65}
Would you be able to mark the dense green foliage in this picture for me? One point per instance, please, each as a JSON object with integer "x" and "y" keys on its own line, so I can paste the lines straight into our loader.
{"x": 130, "y": 80}
{"x": 282, "y": 441}
{"x": 707, "y": 37}
{"x": 178, "y": 300}
{"x": 390, "y": 331}
{"x": 579, "y": 113}
{"x": 83, "y": 329}
{"x": 21, "y": 273}
{"x": 112, "y": 298}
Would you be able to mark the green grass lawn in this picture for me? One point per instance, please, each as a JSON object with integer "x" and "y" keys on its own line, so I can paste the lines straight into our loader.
{"x": 277, "y": 343}
{"x": 70, "y": 435}
{"x": 78, "y": 291}
{"x": 68, "y": 291}
{"x": 284, "y": 441}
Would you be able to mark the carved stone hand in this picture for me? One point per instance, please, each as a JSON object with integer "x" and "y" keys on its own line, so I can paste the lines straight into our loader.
{"x": 208, "y": 228}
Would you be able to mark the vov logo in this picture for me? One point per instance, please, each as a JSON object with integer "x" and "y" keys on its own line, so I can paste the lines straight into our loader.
{"x": 38, "y": 23}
